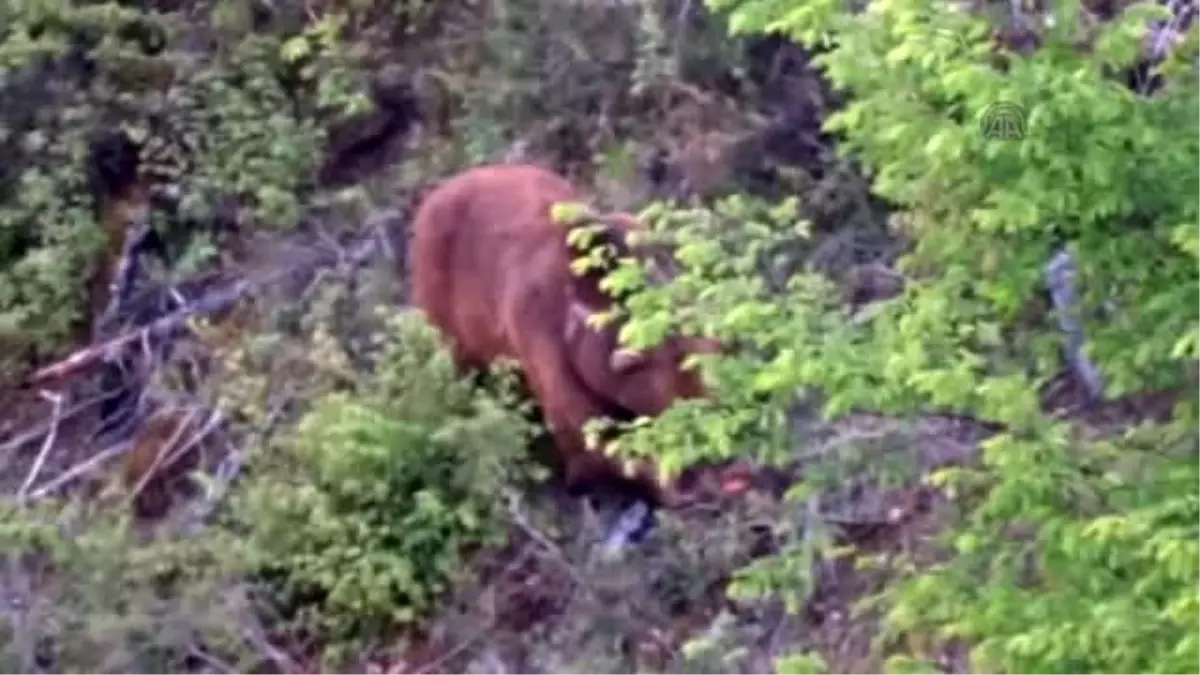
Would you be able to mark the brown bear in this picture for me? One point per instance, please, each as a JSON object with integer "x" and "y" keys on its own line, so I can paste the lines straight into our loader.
{"x": 490, "y": 269}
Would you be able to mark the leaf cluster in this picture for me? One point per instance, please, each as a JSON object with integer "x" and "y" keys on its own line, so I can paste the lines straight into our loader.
{"x": 364, "y": 515}
{"x": 227, "y": 122}
{"x": 1072, "y": 551}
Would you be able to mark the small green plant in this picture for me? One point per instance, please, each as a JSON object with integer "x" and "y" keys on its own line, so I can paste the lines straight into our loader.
{"x": 230, "y": 126}
{"x": 1075, "y": 548}
{"x": 87, "y": 596}
{"x": 370, "y": 507}
{"x": 727, "y": 259}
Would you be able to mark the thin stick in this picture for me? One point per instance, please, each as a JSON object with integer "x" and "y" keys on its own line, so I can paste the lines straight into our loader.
{"x": 226, "y": 471}
{"x": 127, "y": 272}
{"x": 39, "y": 431}
{"x": 176, "y": 322}
{"x": 56, "y": 416}
{"x": 165, "y": 460}
{"x": 81, "y": 468}
{"x": 214, "y": 420}
{"x": 158, "y": 459}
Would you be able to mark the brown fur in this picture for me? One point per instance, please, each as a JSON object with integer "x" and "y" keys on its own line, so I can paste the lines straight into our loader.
{"x": 490, "y": 269}
{"x": 651, "y": 381}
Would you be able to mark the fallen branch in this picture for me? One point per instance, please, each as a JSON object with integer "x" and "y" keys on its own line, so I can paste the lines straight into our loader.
{"x": 227, "y": 470}
{"x": 83, "y": 467}
{"x": 138, "y": 239}
{"x": 163, "y": 328}
{"x": 171, "y": 453}
{"x": 47, "y": 446}
{"x": 175, "y": 323}
{"x": 38, "y": 432}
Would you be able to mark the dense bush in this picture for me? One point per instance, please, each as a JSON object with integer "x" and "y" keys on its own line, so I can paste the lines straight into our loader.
{"x": 1071, "y": 543}
{"x": 87, "y": 596}
{"x": 1075, "y": 551}
{"x": 224, "y": 115}
{"x": 353, "y": 523}
{"x": 365, "y": 514}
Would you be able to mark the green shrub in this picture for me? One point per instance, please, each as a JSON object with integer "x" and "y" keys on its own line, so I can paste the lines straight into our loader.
{"x": 365, "y": 513}
{"x": 1074, "y": 550}
{"x": 87, "y": 596}
{"x": 220, "y": 114}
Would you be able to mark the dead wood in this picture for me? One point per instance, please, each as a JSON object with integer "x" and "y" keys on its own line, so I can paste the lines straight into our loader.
{"x": 211, "y": 303}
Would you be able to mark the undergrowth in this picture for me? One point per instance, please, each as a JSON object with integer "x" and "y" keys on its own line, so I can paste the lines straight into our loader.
{"x": 386, "y": 513}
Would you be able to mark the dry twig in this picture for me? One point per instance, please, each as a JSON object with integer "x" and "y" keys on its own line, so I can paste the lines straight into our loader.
{"x": 47, "y": 445}
{"x": 162, "y": 328}
{"x": 209, "y": 304}
{"x": 39, "y": 431}
{"x": 79, "y": 469}
{"x": 128, "y": 270}
{"x": 173, "y": 453}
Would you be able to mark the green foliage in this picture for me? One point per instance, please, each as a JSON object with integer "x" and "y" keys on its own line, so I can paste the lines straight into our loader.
{"x": 569, "y": 82}
{"x": 1072, "y": 550}
{"x": 370, "y": 506}
{"x": 87, "y": 596}
{"x": 577, "y": 60}
{"x": 801, "y": 664}
{"x": 728, "y": 260}
{"x": 222, "y": 117}
{"x": 1073, "y": 554}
